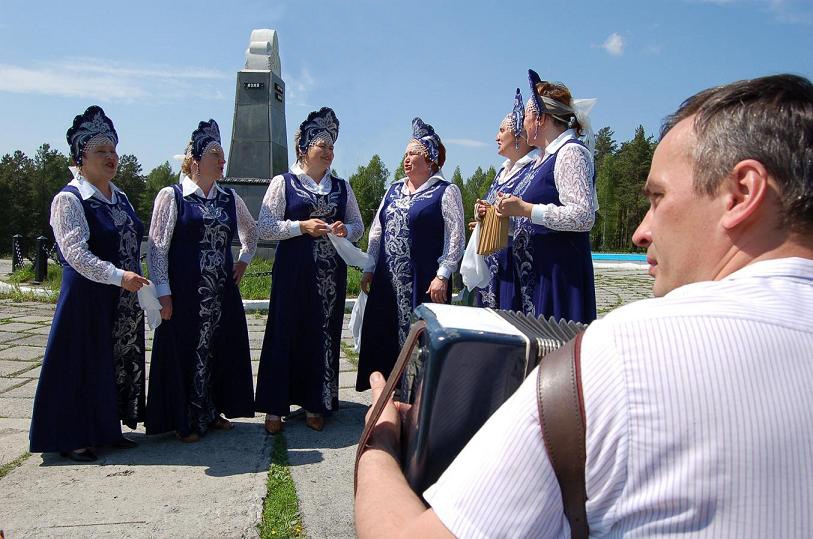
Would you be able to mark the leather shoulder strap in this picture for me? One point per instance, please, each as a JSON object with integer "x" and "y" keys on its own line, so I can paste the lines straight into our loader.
{"x": 561, "y": 416}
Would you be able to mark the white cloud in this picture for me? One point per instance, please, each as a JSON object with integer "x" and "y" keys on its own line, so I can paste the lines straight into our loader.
{"x": 103, "y": 80}
{"x": 466, "y": 142}
{"x": 298, "y": 86}
{"x": 614, "y": 44}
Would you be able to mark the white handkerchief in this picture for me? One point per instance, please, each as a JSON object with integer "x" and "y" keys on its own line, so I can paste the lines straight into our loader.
{"x": 357, "y": 318}
{"x": 148, "y": 299}
{"x": 473, "y": 267}
{"x": 352, "y": 255}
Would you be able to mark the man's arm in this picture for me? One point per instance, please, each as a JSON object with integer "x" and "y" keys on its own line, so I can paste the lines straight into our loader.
{"x": 385, "y": 504}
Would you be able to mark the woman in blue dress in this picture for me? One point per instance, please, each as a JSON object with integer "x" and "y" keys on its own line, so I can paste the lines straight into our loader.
{"x": 416, "y": 242}
{"x": 512, "y": 144}
{"x": 557, "y": 207}
{"x": 299, "y": 364}
{"x": 201, "y": 363}
{"x": 93, "y": 373}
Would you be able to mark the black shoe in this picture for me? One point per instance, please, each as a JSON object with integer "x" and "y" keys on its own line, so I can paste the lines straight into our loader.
{"x": 124, "y": 443}
{"x": 80, "y": 455}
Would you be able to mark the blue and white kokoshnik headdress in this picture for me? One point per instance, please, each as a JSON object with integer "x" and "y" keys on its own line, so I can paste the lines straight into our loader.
{"x": 206, "y": 135}
{"x": 320, "y": 124}
{"x": 426, "y": 137}
{"x": 90, "y": 129}
{"x": 579, "y": 111}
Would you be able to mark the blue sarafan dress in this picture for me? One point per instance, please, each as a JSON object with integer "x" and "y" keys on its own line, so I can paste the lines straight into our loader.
{"x": 93, "y": 372}
{"x": 299, "y": 364}
{"x": 201, "y": 363}
{"x": 417, "y": 236}
{"x": 500, "y": 291}
{"x": 552, "y": 260}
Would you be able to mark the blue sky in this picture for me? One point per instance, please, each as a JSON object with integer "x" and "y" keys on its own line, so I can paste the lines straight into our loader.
{"x": 158, "y": 68}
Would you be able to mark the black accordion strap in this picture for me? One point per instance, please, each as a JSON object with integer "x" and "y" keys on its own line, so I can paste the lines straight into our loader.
{"x": 561, "y": 416}
{"x": 395, "y": 376}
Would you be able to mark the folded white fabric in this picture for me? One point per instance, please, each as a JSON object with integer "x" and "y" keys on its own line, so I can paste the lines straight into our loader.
{"x": 148, "y": 299}
{"x": 356, "y": 319}
{"x": 473, "y": 267}
{"x": 352, "y": 255}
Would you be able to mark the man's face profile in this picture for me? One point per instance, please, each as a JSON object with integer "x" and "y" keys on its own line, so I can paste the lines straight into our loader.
{"x": 679, "y": 230}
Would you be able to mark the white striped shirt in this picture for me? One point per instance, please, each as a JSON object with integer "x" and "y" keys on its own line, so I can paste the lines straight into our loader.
{"x": 699, "y": 411}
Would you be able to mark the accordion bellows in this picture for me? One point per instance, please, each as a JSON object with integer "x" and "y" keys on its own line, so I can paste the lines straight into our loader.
{"x": 493, "y": 233}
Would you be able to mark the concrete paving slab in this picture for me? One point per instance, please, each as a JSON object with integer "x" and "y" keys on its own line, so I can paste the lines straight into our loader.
{"x": 42, "y": 330}
{"x": 34, "y": 318}
{"x": 18, "y": 326}
{"x": 15, "y": 408}
{"x": 9, "y": 368}
{"x": 33, "y": 373}
{"x": 347, "y": 379}
{"x": 322, "y": 467}
{"x": 8, "y": 336}
{"x": 22, "y": 353}
{"x": 162, "y": 488}
{"x": 13, "y": 438}
{"x": 25, "y": 388}
{"x": 32, "y": 340}
{"x": 6, "y": 383}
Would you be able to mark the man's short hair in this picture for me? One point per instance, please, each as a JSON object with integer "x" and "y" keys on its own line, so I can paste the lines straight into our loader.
{"x": 769, "y": 119}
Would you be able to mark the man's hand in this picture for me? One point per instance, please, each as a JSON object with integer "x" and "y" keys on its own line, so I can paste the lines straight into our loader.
{"x": 437, "y": 289}
{"x": 239, "y": 270}
{"x": 366, "y": 281}
{"x": 386, "y": 435}
{"x": 132, "y": 282}
{"x": 314, "y": 227}
{"x": 166, "y": 307}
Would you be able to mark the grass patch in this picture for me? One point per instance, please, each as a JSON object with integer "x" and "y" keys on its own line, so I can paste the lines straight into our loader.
{"x": 281, "y": 517}
{"x": 25, "y": 275}
{"x": 15, "y": 295}
{"x": 254, "y": 286}
{"x": 350, "y": 351}
{"x": 9, "y": 466}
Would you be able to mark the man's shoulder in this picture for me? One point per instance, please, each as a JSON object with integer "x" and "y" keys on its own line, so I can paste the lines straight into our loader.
{"x": 773, "y": 293}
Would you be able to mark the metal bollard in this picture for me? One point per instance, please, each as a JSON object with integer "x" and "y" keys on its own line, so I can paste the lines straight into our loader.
{"x": 41, "y": 261}
{"x": 16, "y": 252}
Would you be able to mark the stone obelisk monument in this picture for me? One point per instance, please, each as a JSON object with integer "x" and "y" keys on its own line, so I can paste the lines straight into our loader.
{"x": 259, "y": 144}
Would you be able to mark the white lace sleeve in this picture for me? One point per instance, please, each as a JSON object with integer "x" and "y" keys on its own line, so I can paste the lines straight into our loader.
{"x": 573, "y": 175}
{"x": 272, "y": 224}
{"x": 352, "y": 216}
{"x": 454, "y": 236}
{"x": 72, "y": 233}
{"x": 164, "y": 216}
{"x": 374, "y": 239}
{"x": 246, "y": 230}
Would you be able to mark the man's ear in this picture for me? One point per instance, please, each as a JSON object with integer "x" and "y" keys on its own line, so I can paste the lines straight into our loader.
{"x": 745, "y": 191}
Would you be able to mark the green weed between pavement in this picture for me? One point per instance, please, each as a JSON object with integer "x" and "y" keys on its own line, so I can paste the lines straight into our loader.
{"x": 281, "y": 517}
{"x": 8, "y": 466}
{"x": 350, "y": 351}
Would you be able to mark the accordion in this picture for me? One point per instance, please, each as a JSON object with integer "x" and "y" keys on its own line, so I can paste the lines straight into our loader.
{"x": 457, "y": 366}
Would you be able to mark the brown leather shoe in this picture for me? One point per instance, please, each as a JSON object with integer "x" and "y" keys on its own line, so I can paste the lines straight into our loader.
{"x": 221, "y": 423}
{"x": 273, "y": 426}
{"x": 315, "y": 422}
